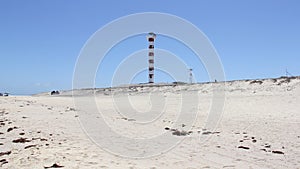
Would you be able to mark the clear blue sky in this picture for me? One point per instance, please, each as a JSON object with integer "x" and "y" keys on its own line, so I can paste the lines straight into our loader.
{"x": 41, "y": 40}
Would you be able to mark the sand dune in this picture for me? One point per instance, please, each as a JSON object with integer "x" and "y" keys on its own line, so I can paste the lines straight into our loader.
{"x": 259, "y": 127}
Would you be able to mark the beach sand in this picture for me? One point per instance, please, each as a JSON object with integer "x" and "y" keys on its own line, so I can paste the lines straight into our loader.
{"x": 258, "y": 128}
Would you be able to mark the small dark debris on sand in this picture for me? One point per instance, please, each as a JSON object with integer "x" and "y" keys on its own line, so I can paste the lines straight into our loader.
{"x": 209, "y": 132}
{"x": 29, "y": 146}
{"x": 70, "y": 109}
{"x": 167, "y": 128}
{"x": 206, "y": 133}
{"x": 256, "y": 81}
{"x": 5, "y": 153}
{"x": 21, "y": 134}
{"x": 285, "y": 80}
{"x": 21, "y": 140}
{"x": 55, "y": 165}
{"x": 243, "y": 147}
{"x": 277, "y": 152}
{"x": 41, "y": 139}
{"x": 124, "y": 118}
{"x": 267, "y": 146}
{"x": 10, "y": 129}
{"x": 181, "y": 133}
{"x": 3, "y": 161}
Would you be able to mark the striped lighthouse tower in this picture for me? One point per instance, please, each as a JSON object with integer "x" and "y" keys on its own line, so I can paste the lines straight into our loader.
{"x": 151, "y": 37}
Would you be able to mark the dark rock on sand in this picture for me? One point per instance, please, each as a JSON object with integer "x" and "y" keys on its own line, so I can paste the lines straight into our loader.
{"x": 10, "y": 129}
{"x": 277, "y": 152}
{"x": 41, "y": 139}
{"x": 21, "y": 140}
{"x": 243, "y": 147}
{"x": 206, "y": 133}
{"x": 180, "y": 133}
{"x": 5, "y": 153}
{"x": 256, "y": 81}
{"x": 29, "y": 146}
{"x": 3, "y": 161}
{"x": 55, "y": 165}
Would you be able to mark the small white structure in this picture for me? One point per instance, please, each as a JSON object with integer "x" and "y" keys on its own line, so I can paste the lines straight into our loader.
{"x": 191, "y": 75}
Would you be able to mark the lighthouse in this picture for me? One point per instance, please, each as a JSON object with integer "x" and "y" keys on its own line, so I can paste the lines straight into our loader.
{"x": 151, "y": 37}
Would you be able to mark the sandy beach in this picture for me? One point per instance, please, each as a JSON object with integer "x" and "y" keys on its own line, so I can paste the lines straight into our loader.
{"x": 259, "y": 128}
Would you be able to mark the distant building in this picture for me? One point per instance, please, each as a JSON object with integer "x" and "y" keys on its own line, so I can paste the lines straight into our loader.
{"x": 54, "y": 92}
{"x": 4, "y": 94}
